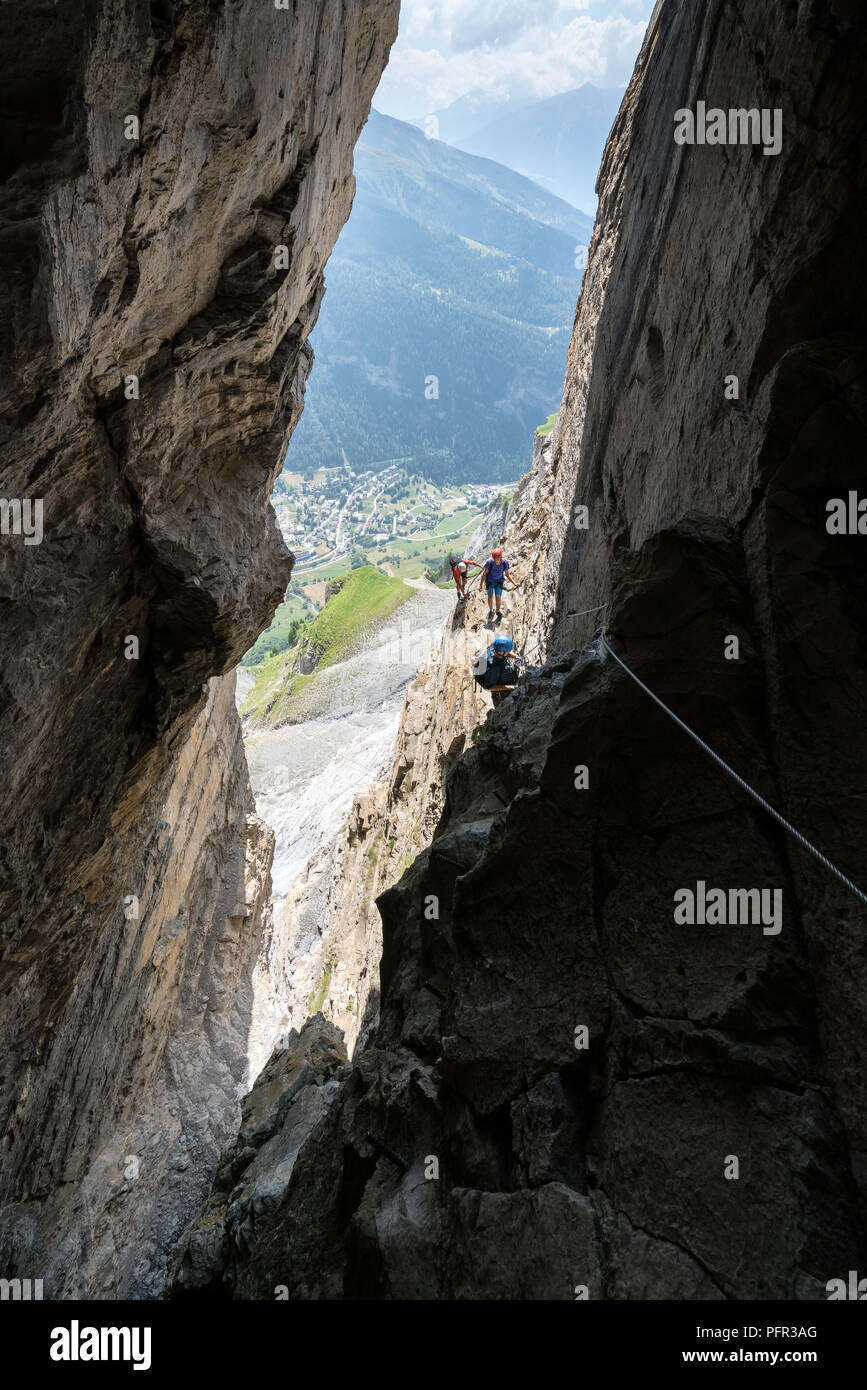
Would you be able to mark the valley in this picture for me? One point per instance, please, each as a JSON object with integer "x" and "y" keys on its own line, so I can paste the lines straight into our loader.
{"x": 442, "y": 338}
{"x": 337, "y": 520}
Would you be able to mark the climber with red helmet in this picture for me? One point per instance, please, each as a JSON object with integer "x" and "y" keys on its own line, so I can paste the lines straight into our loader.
{"x": 460, "y": 570}
{"x": 495, "y": 573}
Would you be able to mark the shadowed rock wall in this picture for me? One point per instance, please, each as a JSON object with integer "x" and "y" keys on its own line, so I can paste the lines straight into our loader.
{"x": 154, "y": 360}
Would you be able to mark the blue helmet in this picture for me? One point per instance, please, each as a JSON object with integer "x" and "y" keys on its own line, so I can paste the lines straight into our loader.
{"x": 502, "y": 644}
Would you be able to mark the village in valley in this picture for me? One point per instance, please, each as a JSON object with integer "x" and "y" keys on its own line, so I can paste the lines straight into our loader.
{"x": 397, "y": 520}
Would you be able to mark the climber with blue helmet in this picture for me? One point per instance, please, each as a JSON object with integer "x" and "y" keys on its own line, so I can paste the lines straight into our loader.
{"x": 495, "y": 668}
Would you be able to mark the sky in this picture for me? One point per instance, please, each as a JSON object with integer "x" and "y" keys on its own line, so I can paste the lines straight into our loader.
{"x": 507, "y": 50}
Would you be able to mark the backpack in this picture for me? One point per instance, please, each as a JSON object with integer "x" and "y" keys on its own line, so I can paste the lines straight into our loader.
{"x": 499, "y": 670}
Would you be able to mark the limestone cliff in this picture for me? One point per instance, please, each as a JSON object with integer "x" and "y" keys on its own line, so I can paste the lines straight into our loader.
{"x": 484, "y": 1145}
{"x": 173, "y": 991}
{"x": 175, "y": 177}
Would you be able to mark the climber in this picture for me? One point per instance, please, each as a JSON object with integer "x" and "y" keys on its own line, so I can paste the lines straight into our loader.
{"x": 495, "y": 572}
{"x": 460, "y": 569}
{"x": 496, "y": 668}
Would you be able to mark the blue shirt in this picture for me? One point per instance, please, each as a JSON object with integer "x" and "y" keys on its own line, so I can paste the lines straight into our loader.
{"x": 496, "y": 572}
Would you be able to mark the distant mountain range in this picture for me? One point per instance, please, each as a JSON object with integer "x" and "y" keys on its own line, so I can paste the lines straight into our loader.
{"x": 443, "y": 333}
{"x": 558, "y": 142}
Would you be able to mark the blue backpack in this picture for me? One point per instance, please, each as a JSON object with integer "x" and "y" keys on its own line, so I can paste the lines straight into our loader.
{"x": 498, "y": 670}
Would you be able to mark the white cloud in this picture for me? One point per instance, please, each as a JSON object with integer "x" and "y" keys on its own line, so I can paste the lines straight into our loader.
{"x": 459, "y": 25}
{"x": 518, "y": 50}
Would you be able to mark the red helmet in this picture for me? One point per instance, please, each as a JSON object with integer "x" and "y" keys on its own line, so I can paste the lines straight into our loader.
{"x": 496, "y": 553}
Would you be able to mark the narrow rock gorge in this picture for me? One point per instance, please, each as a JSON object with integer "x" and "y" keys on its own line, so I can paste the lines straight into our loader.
{"x": 569, "y": 1092}
{"x": 158, "y": 156}
{"x": 552, "y": 1075}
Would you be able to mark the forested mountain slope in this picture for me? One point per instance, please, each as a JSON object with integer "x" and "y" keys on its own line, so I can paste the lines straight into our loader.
{"x": 450, "y": 268}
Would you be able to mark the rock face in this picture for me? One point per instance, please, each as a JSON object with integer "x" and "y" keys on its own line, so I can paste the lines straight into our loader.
{"x": 570, "y": 1090}
{"x": 488, "y": 532}
{"x": 154, "y": 346}
{"x": 288, "y": 1101}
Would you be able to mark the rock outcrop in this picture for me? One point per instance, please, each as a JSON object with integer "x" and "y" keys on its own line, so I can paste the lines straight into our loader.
{"x": 175, "y": 177}
{"x": 289, "y": 1099}
{"x": 488, "y": 532}
{"x": 569, "y": 1090}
